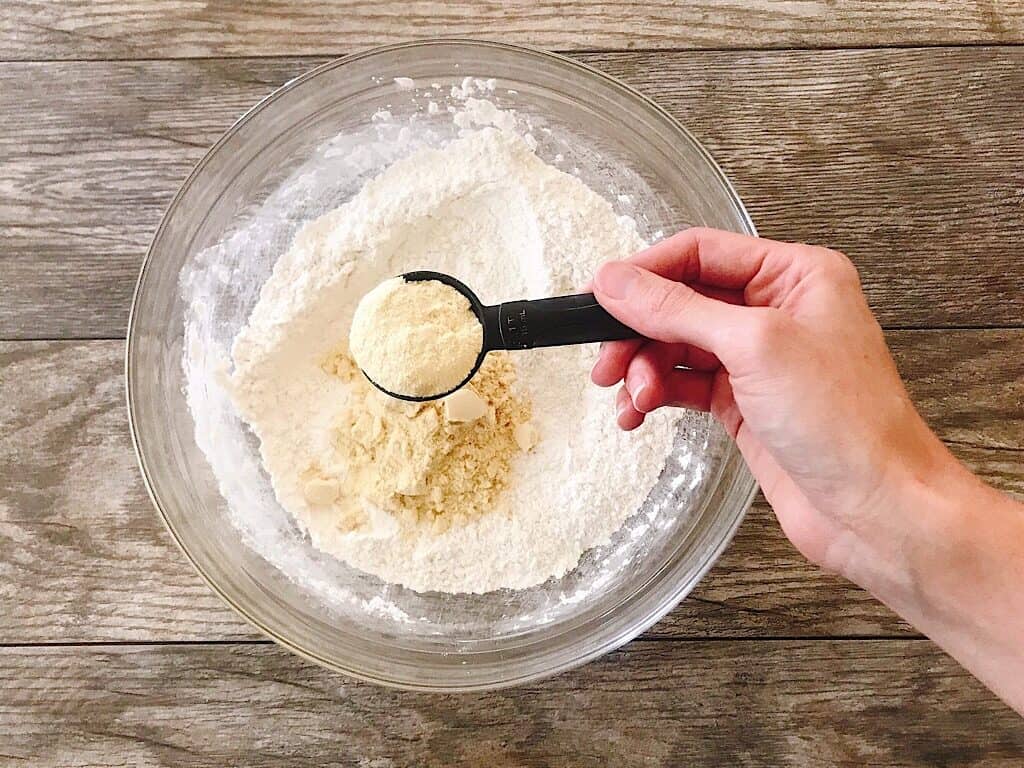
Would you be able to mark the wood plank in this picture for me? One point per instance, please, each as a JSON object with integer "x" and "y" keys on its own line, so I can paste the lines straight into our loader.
{"x": 886, "y": 156}
{"x": 136, "y": 29}
{"x": 831, "y": 704}
{"x": 910, "y": 161}
{"x": 84, "y": 554}
{"x": 84, "y": 557}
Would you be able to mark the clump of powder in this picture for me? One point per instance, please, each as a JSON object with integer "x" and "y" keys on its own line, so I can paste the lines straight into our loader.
{"x": 438, "y": 464}
{"x": 417, "y": 338}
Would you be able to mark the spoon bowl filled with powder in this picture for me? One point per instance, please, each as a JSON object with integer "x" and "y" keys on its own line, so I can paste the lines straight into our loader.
{"x": 418, "y": 337}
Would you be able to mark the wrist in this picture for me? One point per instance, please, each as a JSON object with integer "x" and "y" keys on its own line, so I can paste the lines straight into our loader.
{"x": 954, "y": 571}
{"x": 939, "y": 541}
{"x": 918, "y": 512}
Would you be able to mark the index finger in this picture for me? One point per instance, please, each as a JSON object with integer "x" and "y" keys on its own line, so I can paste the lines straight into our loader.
{"x": 712, "y": 257}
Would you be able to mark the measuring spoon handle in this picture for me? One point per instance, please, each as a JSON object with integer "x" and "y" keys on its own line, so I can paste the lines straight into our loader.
{"x": 553, "y": 322}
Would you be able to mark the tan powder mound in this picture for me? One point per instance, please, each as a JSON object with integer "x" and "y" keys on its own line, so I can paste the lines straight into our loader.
{"x": 438, "y": 463}
{"x": 417, "y": 338}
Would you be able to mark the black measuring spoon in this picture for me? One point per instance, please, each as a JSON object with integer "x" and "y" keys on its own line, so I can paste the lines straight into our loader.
{"x": 557, "y": 321}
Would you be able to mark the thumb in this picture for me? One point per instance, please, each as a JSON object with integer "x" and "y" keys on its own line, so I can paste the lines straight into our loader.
{"x": 663, "y": 309}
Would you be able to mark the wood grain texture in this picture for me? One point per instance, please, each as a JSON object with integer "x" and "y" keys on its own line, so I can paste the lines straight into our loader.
{"x": 910, "y": 161}
{"x": 826, "y": 704}
{"x": 84, "y": 557}
{"x": 83, "y": 550}
{"x": 136, "y": 29}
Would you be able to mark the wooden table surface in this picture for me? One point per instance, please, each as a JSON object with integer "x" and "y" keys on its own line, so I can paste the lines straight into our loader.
{"x": 893, "y": 131}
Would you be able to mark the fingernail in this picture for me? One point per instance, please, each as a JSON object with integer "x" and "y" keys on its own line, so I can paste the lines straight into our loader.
{"x": 619, "y": 413}
{"x": 623, "y": 403}
{"x": 615, "y": 279}
{"x": 634, "y": 395}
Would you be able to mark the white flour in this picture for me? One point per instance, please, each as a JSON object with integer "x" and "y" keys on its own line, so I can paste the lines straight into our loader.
{"x": 488, "y": 211}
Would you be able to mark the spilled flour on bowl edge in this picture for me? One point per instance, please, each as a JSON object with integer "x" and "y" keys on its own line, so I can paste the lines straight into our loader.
{"x": 487, "y": 210}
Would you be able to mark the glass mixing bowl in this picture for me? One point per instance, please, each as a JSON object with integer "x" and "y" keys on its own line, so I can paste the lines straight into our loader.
{"x": 300, "y": 152}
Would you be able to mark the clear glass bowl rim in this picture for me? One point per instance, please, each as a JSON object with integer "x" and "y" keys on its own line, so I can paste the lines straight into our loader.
{"x": 748, "y": 487}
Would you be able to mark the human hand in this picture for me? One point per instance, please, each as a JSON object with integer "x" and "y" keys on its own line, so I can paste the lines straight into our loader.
{"x": 778, "y": 343}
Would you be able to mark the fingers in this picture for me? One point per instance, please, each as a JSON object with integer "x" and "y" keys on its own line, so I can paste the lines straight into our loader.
{"x": 651, "y": 388}
{"x": 693, "y": 325}
{"x": 687, "y": 356}
{"x": 688, "y": 389}
{"x": 644, "y": 377}
{"x": 678, "y": 388}
{"x": 613, "y": 360}
{"x": 710, "y": 256}
{"x": 652, "y": 381}
{"x": 626, "y": 415}
{"x": 662, "y": 309}
{"x": 649, "y": 375}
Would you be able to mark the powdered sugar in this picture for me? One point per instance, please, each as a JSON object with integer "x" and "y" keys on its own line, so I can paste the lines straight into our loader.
{"x": 220, "y": 286}
{"x": 488, "y": 211}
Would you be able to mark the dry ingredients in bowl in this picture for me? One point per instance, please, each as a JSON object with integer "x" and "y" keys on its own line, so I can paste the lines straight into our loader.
{"x": 504, "y": 485}
{"x": 435, "y": 464}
